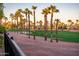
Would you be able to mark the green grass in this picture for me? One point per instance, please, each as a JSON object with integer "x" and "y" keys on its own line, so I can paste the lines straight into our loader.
{"x": 1, "y": 41}
{"x": 63, "y": 36}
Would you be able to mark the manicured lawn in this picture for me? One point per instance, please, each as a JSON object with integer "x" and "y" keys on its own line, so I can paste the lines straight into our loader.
{"x": 63, "y": 36}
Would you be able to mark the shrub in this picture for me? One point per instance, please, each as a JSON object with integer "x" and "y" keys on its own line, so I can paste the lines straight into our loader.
{"x": 2, "y": 29}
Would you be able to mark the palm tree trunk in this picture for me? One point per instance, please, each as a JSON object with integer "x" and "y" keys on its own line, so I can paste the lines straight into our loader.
{"x": 34, "y": 24}
{"x": 29, "y": 24}
{"x": 26, "y": 22}
{"x": 17, "y": 25}
{"x": 51, "y": 25}
{"x": 12, "y": 24}
{"x": 45, "y": 16}
{"x": 56, "y": 31}
{"x": 24, "y": 25}
{"x": 21, "y": 24}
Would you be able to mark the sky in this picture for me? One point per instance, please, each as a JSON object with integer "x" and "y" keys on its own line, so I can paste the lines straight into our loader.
{"x": 66, "y": 10}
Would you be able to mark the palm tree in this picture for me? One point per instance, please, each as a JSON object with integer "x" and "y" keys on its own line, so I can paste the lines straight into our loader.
{"x": 52, "y": 10}
{"x": 18, "y": 15}
{"x": 34, "y": 8}
{"x": 1, "y": 12}
{"x": 57, "y": 21}
{"x": 45, "y": 12}
{"x": 26, "y": 12}
{"x": 29, "y": 13}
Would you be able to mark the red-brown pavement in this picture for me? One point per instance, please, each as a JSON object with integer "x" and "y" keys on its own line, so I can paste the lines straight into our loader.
{"x": 39, "y": 47}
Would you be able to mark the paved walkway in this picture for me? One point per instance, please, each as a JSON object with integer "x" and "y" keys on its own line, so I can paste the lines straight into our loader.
{"x": 2, "y": 51}
{"x": 39, "y": 47}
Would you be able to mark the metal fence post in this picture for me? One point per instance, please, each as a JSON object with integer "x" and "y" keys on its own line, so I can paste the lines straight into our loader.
{"x": 11, "y": 48}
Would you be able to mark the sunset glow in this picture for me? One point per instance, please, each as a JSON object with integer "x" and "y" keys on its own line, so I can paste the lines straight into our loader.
{"x": 66, "y": 10}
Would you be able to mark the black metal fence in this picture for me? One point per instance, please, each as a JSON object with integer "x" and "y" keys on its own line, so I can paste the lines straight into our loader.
{"x": 10, "y": 46}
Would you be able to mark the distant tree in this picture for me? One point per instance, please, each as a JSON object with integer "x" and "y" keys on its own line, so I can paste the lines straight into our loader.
{"x": 12, "y": 18}
{"x": 77, "y": 22}
{"x": 5, "y": 19}
{"x": 37, "y": 25}
{"x": 41, "y": 25}
{"x": 76, "y": 25}
{"x": 1, "y": 12}
{"x": 69, "y": 24}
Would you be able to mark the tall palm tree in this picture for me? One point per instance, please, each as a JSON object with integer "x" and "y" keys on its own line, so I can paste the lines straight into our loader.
{"x": 57, "y": 21}
{"x": 45, "y": 12}
{"x": 1, "y": 12}
{"x": 29, "y": 13}
{"x": 26, "y": 12}
{"x": 52, "y": 10}
{"x": 18, "y": 15}
{"x": 34, "y": 8}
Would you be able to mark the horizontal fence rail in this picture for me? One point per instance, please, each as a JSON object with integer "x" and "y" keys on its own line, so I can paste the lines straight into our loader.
{"x": 11, "y": 48}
